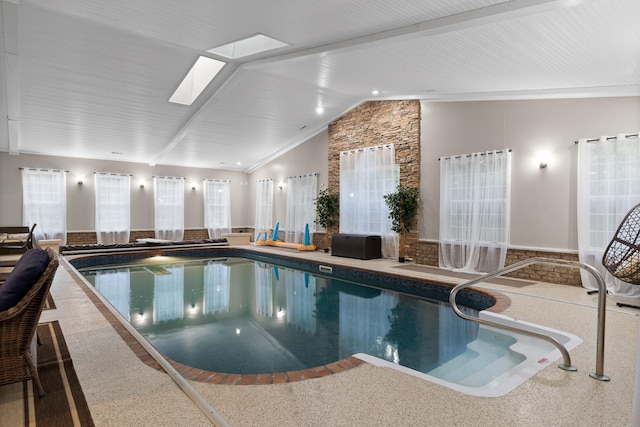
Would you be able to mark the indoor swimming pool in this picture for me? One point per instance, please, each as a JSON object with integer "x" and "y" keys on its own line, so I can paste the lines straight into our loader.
{"x": 256, "y": 315}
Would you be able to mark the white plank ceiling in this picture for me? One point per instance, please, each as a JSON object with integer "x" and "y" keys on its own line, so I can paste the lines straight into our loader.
{"x": 92, "y": 78}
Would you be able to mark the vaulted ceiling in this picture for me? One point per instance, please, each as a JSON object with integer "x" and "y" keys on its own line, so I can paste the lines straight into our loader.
{"x": 92, "y": 78}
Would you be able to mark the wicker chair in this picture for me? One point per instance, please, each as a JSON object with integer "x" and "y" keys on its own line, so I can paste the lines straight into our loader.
{"x": 622, "y": 256}
{"x": 18, "y": 338}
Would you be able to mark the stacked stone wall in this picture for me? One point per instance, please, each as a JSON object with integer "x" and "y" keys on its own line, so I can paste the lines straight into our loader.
{"x": 377, "y": 123}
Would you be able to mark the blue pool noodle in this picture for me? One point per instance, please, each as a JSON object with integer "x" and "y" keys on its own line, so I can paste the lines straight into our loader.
{"x": 307, "y": 239}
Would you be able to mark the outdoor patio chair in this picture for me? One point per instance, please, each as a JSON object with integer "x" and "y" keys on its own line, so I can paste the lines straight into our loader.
{"x": 622, "y": 256}
{"x": 22, "y": 298}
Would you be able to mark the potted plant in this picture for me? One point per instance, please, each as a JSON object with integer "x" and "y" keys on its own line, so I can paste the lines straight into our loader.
{"x": 327, "y": 212}
{"x": 403, "y": 209}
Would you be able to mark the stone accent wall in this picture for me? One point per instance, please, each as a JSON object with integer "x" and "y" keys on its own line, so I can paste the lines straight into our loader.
{"x": 81, "y": 238}
{"x": 318, "y": 240}
{"x": 427, "y": 253}
{"x": 377, "y": 123}
{"x": 544, "y": 273}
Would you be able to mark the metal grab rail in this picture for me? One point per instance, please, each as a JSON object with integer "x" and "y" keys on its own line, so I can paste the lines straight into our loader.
{"x": 602, "y": 296}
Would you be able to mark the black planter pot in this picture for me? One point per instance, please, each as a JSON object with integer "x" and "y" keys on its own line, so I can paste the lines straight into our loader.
{"x": 326, "y": 250}
{"x": 401, "y": 259}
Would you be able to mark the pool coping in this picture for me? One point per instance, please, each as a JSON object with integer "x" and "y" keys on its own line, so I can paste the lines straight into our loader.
{"x": 502, "y": 302}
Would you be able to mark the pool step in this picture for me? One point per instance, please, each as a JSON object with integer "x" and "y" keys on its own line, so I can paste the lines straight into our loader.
{"x": 485, "y": 359}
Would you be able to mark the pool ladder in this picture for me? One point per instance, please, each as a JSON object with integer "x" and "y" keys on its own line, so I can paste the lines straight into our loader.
{"x": 602, "y": 295}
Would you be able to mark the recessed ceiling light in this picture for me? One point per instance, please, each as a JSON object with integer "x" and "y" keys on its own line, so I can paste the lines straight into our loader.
{"x": 319, "y": 110}
{"x": 375, "y": 92}
{"x": 249, "y": 46}
{"x": 238, "y": 163}
{"x": 200, "y": 75}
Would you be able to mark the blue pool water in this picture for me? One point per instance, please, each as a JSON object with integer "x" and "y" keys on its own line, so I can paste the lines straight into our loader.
{"x": 250, "y": 316}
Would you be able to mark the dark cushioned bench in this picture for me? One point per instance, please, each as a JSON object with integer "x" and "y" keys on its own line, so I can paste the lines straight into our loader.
{"x": 16, "y": 239}
{"x": 139, "y": 245}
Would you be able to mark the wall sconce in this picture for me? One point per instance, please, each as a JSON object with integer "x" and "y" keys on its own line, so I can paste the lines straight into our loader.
{"x": 79, "y": 182}
{"x": 141, "y": 185}
{"x": 280, "y": 185}
{"x": 543, "y": 165}
{"x": 193, "y": 188}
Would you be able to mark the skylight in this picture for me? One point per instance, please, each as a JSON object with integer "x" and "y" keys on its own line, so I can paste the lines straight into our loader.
{"x": 200, "y": 75}
{"x": 249, "y": 46}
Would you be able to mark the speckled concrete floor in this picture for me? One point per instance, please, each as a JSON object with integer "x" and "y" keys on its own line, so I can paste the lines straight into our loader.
{"x": 121, "y": 390}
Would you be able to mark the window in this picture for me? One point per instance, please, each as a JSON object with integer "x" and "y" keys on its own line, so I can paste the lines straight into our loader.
{"x": 474, "y": 211}
{"x": 168, "y": 294}
{"x": 608, "y": 187}
{"x": 217, "y": 207}
{"x": 169, "y": 208}
{"x": 44, "y": 203}
{"x": 113, "y": 204}
{"x": 116, "y": 287}
{"x": 264, "y": 206}
{"x": 217, "y": 285}
{"x": 301, "y": 211}
{"x": 365, "y": 177}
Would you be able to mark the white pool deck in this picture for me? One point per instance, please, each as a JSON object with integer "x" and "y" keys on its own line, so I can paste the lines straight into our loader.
{"x": 122, "y": 390}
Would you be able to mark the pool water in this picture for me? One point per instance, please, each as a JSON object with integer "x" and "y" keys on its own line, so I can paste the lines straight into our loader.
{"x": 240, "y": 316}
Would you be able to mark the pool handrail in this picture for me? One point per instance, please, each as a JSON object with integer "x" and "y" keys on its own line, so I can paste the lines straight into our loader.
{"x": 602, "y": 293}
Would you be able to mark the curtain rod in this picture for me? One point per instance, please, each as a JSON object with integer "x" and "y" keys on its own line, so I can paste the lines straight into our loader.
{"x": 112, "y": 173}
{"x": 481, "y": 154}
{"x": 43, "y": 169}
{"x": 610, "y": 138}
{"x": 375, "y": 147}
{"x": 302, "y": 176}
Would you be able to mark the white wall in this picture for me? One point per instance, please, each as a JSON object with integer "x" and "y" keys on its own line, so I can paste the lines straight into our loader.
{"x": 543, "y": 207}
{"x": 80, "y": 198}
{"x": 310, "y": 157}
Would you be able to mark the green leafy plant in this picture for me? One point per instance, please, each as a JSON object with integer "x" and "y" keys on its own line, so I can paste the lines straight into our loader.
{"x": 403, "y": 209}
{"x": 327, "y": 212}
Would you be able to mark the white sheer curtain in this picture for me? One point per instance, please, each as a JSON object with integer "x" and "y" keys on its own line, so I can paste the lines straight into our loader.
{"x": 301, "y": 300}
{"x": 608, "y": 187}
{"x": 364, "y": 324}
{"x": 217, "y": 287}
{"x": 116, "y": 288}
{"x": 168, "y": 295}
{"x": 301, "y": 210}
{"x": 44, "y": 202}
{"x": 264, "y": 206}
{"x": 113, "y": 207}
{"x": 169, "y": 208}
{"x": 217, "y": 207}
{"x": 264, "y": 289}
{"x": 366, "y": 175}
{"x": 474, "y": 211}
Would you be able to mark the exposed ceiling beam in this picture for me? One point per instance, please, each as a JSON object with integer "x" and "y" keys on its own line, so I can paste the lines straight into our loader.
{"x": 218, "y": 83}
{"x": 473, "y": 18}
{"x": 12, "y": 71}
{"x": 486, "y": 15}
